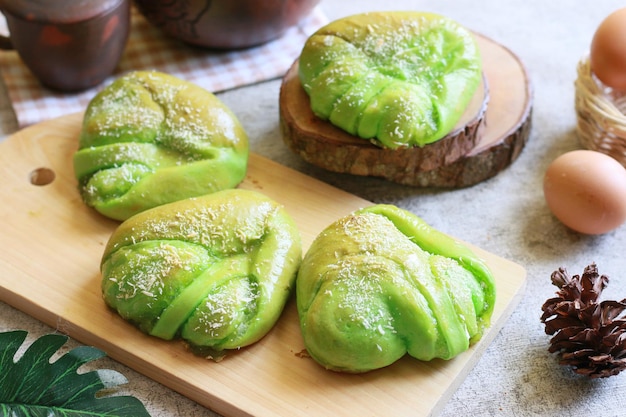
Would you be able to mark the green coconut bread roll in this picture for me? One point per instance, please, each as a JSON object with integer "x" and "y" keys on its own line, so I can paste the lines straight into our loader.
{"x": 150, "y": 138}
{"x": 396, "y": 78}
{"x": 381, "y": 283}
{"x": 214, "y": 270}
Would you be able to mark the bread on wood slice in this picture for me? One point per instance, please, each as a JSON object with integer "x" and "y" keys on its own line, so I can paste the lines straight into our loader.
{"x": 322, "y": 144}
{"x": 488, "y": 138}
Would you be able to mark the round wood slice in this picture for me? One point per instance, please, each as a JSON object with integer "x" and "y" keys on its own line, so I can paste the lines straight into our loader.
{"x": 488, "y": 138}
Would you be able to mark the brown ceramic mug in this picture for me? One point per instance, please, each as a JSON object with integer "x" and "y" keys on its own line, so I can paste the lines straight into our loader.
{"x": 68, "y": 45}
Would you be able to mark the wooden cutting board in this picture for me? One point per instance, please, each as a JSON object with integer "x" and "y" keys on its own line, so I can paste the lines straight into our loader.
{"x": 51, "y": 247}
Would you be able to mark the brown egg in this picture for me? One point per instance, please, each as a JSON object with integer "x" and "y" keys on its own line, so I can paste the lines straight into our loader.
{"x": 607, "y": 55}
{"x": 586, "y": 191}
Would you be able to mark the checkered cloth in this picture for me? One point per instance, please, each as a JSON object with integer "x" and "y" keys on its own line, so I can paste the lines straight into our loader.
{"x": 149, "y": 49}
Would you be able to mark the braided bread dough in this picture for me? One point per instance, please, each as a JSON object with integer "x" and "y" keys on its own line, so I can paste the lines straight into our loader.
{"x": 215, "y": 270}
{"x": 397, "y": 78}
{"x": 150, "y": 138}
{"x": 381, "y": 283}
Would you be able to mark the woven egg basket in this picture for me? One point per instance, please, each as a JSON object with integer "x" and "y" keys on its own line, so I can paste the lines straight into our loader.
{"x": 601, "y": 114}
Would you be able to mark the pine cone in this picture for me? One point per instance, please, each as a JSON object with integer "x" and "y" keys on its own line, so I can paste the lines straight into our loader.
{"x": 589, "y": 336}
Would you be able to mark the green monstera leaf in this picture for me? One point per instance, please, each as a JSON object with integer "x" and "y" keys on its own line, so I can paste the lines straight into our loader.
{"x": 35, "y": 385}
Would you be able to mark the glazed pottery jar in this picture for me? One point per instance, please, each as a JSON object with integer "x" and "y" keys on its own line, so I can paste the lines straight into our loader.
{"x": 225, "y": 24}
{"x": 68, "y": 45}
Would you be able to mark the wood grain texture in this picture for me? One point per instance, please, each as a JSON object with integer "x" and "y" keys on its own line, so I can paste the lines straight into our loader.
{"x": 51, "y": 248}
{"x": 488, "y": 138}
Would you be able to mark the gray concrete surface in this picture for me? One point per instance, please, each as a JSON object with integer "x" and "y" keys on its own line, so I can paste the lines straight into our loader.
{"x": 505, "y": 215}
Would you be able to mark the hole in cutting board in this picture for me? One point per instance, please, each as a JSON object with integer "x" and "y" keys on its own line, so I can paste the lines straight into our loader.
{"x": 42, "y": 176}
